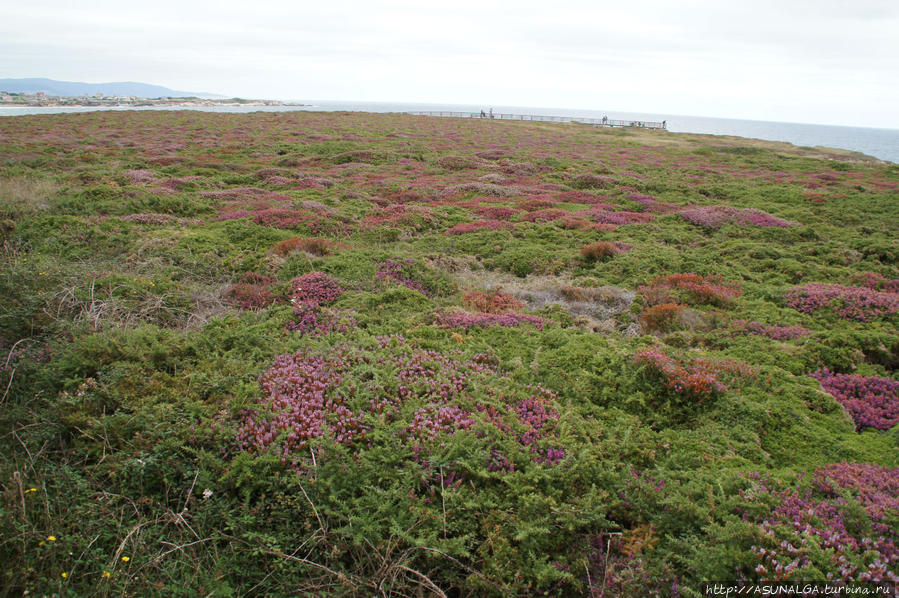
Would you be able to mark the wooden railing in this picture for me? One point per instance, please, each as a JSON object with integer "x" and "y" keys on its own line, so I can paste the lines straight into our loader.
{"x": 600, "y": 122}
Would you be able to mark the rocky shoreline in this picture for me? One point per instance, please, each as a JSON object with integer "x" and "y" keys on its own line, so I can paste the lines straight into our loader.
{"x": 142, "y": 102}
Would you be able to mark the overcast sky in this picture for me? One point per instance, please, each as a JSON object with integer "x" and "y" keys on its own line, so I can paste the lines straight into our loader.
{"x": 818, "y": 61}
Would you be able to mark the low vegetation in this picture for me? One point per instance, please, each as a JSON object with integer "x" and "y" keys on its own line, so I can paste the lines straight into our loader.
{"x": 357, "y": 354}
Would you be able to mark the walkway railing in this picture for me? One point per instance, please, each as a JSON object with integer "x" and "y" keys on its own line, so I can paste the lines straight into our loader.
{"x": 600, "y": 122}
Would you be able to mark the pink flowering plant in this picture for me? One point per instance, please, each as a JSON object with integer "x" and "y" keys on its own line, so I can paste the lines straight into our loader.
{"x": 311, "y": 293}
{"x": 876, "y": 281}
{"x": 479, "y": 225}
{"x": 714, "y": 217}
{"x": 252, "y": 292}
{"x": 311, "y": 401}
{"x": 651, "y": 204}
{"x": 414, "y": 275}
{"x": 872, "y": 401}
{"x": 539, "y": 417}
{"x": 859, "y": 303}
{"x": 315, "y": 288}
{"x": 694, "y": 382}
{"x": 491, "y": 302}
{"x": 691, "y": 288}
{"x": 841, "y": 528}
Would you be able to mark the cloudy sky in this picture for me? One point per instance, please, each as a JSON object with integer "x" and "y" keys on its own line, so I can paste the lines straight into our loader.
{"x": 817, "y": 61}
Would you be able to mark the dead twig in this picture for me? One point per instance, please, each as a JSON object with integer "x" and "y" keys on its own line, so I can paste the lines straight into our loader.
{"x": 426, "y": 581}
{"x": 12, "y": 373}
{"x": 321, "y": 524}
{"x": 348, "y": 579}
{"x": 471, "y": 570}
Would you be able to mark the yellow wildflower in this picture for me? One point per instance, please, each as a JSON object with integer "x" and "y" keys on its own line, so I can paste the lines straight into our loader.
{"x": 64, "y": 574}
{"x": 51, "y": 538}
{"x": 126, "y": 559}
{"x": 106, "y": 574}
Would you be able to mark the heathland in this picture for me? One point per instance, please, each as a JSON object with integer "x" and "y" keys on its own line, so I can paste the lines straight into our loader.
{"x": 357, "y": 354}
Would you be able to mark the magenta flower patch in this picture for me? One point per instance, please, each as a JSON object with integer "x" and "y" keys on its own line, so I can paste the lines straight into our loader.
{"x": 814, "y": 530}
{"x": 714, "y": 217}
{"x": 871, "y": 401}
{"x": 850, "y": 303}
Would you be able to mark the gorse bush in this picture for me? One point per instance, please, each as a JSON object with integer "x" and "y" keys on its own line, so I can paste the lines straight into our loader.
{"x": 773, "y": 331}
{"x": 463, "y": 320}
{"x": 651, "y": 204}
{"x": 399, "y": 216}
{"x": 592, "y": 181}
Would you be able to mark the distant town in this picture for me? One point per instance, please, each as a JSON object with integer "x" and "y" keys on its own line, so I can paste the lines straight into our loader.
{"x": 98, "y": 99}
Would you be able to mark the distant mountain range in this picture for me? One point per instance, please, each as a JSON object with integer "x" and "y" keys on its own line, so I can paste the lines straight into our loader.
{"x": 72, "y": 88}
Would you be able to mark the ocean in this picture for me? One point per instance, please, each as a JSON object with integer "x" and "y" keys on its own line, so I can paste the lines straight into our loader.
{"x": 879, "y": 143}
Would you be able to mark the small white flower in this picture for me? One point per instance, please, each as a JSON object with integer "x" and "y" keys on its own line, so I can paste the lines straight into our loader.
{"x": 207, "y": 493}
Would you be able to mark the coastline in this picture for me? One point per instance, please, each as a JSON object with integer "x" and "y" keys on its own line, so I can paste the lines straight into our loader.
{"x": 146, "y": 103}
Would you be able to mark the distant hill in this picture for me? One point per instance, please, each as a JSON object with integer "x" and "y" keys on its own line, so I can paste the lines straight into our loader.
{"x": 73, "y": 88}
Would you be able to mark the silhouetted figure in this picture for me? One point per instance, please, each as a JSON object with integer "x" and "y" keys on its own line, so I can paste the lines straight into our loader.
{"x": 605, "y": 119}
{"x": 482, "y": 114}
{"x": 491, "y": 113}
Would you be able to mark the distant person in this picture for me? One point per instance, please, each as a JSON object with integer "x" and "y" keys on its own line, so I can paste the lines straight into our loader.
{"x": 605, "y": 119}
{"x": 491, "y": 113}
{"x": 482, "y": 114}
{"x": 664, "y": 124}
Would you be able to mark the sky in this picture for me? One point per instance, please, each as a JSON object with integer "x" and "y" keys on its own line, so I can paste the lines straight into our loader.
{"x": 812, "y": 61}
